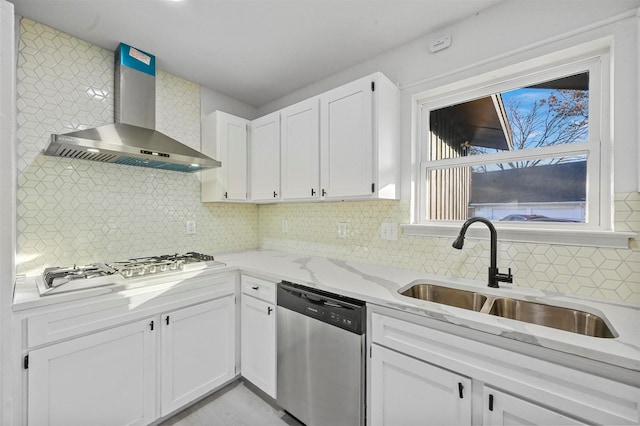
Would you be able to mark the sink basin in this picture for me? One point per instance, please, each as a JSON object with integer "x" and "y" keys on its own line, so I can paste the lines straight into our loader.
{"x": 447, "y": 296}
{"x": 558, "y": 317}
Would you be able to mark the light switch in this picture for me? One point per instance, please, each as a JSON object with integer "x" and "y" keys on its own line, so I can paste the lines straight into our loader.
{"x": 389, "y": 231}
{"x": 191, "y": 226}
{"x": 342, "y": 230}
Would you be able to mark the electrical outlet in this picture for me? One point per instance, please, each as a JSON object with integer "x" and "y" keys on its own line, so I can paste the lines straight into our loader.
{"x": 342, "y": 230}
{"x": 389, "y": 231}
{"x": 285, "y": 226}
{"x": 191, "y": 226}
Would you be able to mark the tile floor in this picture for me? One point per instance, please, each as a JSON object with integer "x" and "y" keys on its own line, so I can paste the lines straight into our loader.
{"x": 234, "y": 405}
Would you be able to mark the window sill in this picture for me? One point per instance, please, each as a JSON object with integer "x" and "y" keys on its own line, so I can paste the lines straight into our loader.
{"x": 539, "y": 235}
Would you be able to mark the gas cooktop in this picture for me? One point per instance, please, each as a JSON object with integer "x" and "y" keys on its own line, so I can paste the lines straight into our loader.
{"x": 56, "y": 280}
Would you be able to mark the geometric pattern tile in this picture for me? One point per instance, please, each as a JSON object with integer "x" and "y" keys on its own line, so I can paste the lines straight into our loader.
{"x": 75, "y": 211}
{"x": 81, "y": 211}
{"x": 602, "y": 273}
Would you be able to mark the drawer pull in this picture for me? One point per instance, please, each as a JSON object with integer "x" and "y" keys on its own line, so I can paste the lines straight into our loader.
{"x": 269, "y": 309}
{"x": 255, "y": 287}
{"x": 460, "y": 389}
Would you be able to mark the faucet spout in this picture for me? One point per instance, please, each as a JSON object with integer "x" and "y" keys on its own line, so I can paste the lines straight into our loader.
{"x": 494, "y": 274}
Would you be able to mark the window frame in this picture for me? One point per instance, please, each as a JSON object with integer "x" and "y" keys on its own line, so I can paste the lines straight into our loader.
{"x": 598, "y": 230}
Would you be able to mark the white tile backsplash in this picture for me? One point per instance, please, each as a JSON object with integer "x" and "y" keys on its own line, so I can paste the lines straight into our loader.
{"x": 74, "y": 211}
{"x": 603, "y": 273}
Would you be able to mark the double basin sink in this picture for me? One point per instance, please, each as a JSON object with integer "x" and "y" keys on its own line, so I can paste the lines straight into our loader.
{"x": 568, "y": 319}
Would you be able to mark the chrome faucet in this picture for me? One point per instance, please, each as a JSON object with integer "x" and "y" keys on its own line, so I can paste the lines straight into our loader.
{"x": 494, "y": 275}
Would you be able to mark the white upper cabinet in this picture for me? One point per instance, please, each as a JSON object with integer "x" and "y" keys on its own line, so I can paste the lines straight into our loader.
{"x": 265, "y": 158}
{"x": 359, "y": 140}
{"x": 300, "y": 140}
{"x": 224, "y": 137}
{"x": 342, "y": 144}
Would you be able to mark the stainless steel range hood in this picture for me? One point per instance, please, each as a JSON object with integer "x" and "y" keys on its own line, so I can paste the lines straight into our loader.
{"x": 132, "y": 140}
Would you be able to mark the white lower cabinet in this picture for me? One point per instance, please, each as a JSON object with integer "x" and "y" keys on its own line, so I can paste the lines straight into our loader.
{"x": 106, "y": 378}
{"x": 501, "y": 408}
{"x": 411, "y": 392}
{"x": 258, "y": 343}
{"x": 198, "y": 351}
{"x": 422, "y": 375}
{"x": 258, "y": 334}
{"x": 132, "y": 374}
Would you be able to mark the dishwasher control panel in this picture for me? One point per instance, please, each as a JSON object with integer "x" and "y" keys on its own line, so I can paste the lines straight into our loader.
{"x": 340, "y": 311}
{"x": 341, "y": 319}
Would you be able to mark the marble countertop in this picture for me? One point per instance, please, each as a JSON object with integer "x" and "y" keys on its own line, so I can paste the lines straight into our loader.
{"x": 380, "y": 284}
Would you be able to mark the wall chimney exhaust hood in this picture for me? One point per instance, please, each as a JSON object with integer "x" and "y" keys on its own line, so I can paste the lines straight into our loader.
{"x": 132, "y": 140}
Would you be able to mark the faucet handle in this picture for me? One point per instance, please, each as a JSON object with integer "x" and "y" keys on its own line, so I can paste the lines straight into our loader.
{"x": 505, "y": 278}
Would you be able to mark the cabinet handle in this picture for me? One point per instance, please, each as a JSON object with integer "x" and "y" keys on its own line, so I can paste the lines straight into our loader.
{"x": 269, "y": 309}
{"x": 313, "y": 192}
{"x": 151, "y": 325}
{"x": 275, "y": 194}
{"x": 226, "y": 195}
{"x": 490, "y": 402}
{"x": 167, "y": 319}
{"x": 460, "y": 389}
{"x": 255, "y": 287}
{"x": 324, "y": 192}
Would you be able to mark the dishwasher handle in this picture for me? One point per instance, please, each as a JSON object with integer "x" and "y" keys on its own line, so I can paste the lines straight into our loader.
{"x": 334, "y": 309}
{"x": 318, "y": 297}
{"x": 321, "y": 301}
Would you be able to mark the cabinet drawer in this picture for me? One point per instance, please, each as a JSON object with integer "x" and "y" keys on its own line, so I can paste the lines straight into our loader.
{"x": 257, "y": 287}
{"x": 91, "y": 317}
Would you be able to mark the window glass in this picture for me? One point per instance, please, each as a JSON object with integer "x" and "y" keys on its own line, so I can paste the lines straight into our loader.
{"x": 535, "y": 190}
{"x": 550, "y": 113}
{"x": 516, "y": 155}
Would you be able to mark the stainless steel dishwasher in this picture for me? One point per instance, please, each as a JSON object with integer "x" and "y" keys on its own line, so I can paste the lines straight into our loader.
{"x": 321, "y": 356}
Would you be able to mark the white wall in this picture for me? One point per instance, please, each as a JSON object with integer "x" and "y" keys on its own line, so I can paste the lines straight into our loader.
{"x": 508, "y": 33}
{"x": 211, "y": 100}
{"x": 8, "y": 197}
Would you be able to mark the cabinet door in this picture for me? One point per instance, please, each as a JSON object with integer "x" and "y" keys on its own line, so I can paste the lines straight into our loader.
{"x": 265, "y": 158}
{"x": 405, "y": 391}
{"x": 224, "y": 137}
{"x": 198, "y": 351}
{"x": 347, "y": 140}
{"x": 504, "y": 409}
{"x": 106, "y": 378}
{"x": 235, "y": 133}
{"x": 301, "y": 151}
{"x": 258, "y": 353}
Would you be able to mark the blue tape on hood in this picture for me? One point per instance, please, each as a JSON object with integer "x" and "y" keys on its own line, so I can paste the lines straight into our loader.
{"x": 137, "y": 59}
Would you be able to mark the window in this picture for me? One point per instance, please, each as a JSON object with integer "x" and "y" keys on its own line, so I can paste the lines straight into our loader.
{"x": 526, "y": 148}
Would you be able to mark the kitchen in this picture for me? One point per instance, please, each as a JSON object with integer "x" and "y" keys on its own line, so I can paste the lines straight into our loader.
{"x": 103, "y": 212}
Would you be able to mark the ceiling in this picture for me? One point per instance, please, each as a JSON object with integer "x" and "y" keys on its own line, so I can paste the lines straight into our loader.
{"x": 253, "y": 51}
